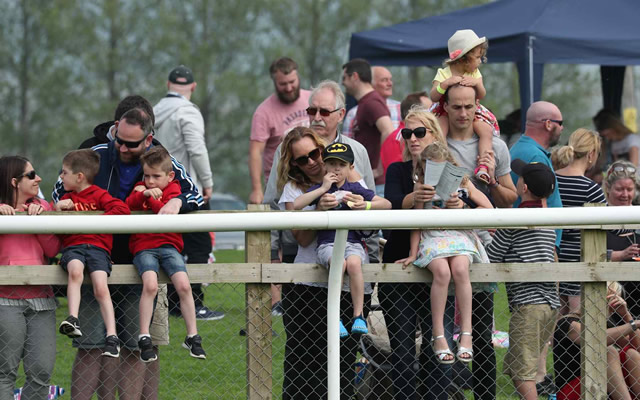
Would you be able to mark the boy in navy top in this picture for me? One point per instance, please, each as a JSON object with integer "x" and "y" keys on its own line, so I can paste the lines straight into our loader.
{"x": 338, "y": 162}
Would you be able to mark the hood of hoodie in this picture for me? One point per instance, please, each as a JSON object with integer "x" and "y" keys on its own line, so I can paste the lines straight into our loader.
{"x": 101, "y": 131}
{"x": 167, "y": 106}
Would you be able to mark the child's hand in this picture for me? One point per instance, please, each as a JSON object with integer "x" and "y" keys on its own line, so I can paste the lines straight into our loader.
{"x": 454, "y": 201}
{"x": 6, "y": 209}
{"x": 156, "y": 193}
{"x": 357, "y": 205}
{"x": 327, "y": 201}
{"x": 406, "y": 261}
{"x": 617, "y": 304}
{"x": 139, "y": 188}
{"x": 66, "y": 204}
{"x": 454, "y": 80}
{"x": 469, "y": 81}
{"x": 329, "y": 179}
{"x": 352, "y": 197}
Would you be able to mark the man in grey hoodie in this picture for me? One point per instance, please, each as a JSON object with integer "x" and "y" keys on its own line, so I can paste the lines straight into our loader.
{"x": 180, "y": 128}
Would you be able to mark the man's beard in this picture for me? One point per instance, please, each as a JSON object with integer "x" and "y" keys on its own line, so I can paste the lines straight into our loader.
{"x": 288, "y": 98}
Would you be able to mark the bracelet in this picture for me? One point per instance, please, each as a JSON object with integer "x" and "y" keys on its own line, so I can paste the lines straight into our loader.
{"x": 368, "y": 205}
{"x": 440, "y": 89}
{"x": 494, "y": 185}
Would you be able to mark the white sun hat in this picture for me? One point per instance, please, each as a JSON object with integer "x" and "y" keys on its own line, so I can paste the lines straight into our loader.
{"x": 462, "y": 42}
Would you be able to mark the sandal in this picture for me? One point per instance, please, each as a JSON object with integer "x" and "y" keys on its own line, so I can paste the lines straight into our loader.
{"x": 441, "y": 355}
{"x": 464, "y": 350}
{"x": 481, "y": 173}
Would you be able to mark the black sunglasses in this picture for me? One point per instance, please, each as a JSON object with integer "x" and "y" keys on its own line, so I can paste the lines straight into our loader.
{"x": 130, "y": 145}
{"x": 323, "y": 111}
{"x": 31, "y": 174}
{"x": 304, "y": 160}
{"x": 557, "y": 121}
{"x": 420, "y": 132}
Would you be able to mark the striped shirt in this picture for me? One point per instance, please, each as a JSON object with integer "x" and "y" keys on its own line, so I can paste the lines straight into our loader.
{"x": 575, "y": 191}
{"x": 526, "y": 246}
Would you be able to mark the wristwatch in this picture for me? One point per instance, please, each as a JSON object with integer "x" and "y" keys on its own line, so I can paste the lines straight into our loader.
{"x": 494, "y": 185}
{"x": 633, "y": 325}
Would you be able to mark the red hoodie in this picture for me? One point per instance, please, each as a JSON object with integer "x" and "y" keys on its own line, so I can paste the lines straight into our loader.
{"x": 94, "y": 198}
{"x": 145, "y": 241}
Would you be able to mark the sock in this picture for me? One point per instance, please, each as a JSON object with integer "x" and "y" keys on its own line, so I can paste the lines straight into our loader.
{"x": 144, "y": 335}
{"x": 190, "y": 336}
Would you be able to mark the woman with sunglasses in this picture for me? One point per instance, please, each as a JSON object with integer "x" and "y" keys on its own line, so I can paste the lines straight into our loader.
{"x": 406, "y": 303}
{"x": 620, "y": 190}
{"x": 305, "y": 304}
{"x": 572, "y": 163}
{"x": 28, "y": 328}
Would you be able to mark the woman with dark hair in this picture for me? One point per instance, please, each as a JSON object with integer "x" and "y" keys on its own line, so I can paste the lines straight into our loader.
{"x": 28, "y": 327}
{"x": 624, "y": 144}
{"x": 305, "y": 304}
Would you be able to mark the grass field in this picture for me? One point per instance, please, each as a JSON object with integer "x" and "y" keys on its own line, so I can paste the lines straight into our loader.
{"x": 223, "y": 374}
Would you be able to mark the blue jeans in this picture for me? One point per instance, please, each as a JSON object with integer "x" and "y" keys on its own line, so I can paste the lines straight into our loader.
{"x": 406, "y": 308}
{"x": 166, "y": 257}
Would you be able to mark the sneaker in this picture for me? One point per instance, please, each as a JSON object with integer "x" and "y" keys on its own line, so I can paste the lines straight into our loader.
{"x": 111, "y": 347}
{"x": 146, "y": 350}
{"x": 194, "y": 345}
{"x": 343, "y": 331}
{"x": 359, "y": 326}
{"x": 70, "y": 327}
{"x": 277, "y": 310}
{"x": 204, "y": 314}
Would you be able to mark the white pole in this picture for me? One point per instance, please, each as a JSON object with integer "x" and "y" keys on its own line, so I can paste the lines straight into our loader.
{"x": 531, "y": 85}
{"x": 333, "y": 314}
{"x": 372, "y": 219}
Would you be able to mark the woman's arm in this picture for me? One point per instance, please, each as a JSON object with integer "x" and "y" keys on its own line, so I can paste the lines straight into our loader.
{"x": 302, "y": 236}
{"x": 633, "y": 155}
{"x": 477, "y": 196}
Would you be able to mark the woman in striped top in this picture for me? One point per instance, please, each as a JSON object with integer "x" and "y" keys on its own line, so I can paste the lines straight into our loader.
{"x": 571, "y": 163}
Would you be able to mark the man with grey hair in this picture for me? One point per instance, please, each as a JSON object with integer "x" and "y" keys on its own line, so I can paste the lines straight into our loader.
{"x": 326, "y": 111}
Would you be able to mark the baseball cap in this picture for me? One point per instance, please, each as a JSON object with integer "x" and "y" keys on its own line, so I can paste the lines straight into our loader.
{"x": 540, "y": 179}
{"x": 340, "y": 151}
{"x": 181, "y": 75}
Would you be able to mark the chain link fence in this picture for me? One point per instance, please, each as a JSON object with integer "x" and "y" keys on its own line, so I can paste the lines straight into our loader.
{"x": 253, "y": 354}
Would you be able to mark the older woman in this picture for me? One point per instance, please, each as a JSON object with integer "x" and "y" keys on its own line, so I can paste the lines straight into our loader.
{"x": 305, "y": 304}
{"x": 28, "y": 327}
{"x": 404, "y": 304}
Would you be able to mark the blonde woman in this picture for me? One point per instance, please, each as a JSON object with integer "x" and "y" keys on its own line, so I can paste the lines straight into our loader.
{"x": 572, "y": 162}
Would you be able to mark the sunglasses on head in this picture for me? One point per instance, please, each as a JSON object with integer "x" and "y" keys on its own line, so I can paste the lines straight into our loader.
{"x": 419, "y": 132}
{"x": 557, "y": 121}
{"x": 30, "y": 175}
{"x": 323, "y": 111}
{"x": 304, "y": 160}
{"x": 130, "y": 145}
{"x": 621, "y": 168}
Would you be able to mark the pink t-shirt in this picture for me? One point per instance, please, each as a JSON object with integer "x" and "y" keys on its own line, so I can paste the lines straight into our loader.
{"x": 273, "y": 119}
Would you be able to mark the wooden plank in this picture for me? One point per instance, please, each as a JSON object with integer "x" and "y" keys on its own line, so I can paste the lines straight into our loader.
{"x": 127, "y": 273}
{"x": 258, "y": 314}
{"x": 593, "y": 337}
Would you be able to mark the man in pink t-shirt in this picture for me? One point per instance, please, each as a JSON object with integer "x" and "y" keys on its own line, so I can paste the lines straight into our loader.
{"x": 274, "y": 117}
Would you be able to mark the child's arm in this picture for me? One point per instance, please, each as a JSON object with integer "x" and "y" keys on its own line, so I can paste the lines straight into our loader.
{"x": 444, "y": 85}
{"x": 112, "y": 206}
{"x": 65, "y": 204}
{"x": 136, "y": 199}
{"x": 413, "y": 252}
{"x": 306, "y": 199}
{"x": 377, "y": 203}
{"x": 477, "y": 196}
{"x": 157, "y": 202}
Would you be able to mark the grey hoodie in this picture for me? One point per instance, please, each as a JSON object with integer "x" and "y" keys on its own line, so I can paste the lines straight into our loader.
{"x": 180, "y": 129}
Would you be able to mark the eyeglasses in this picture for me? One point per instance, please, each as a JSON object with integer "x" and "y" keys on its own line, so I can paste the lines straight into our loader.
{"x": 621, "y": 168}
{"x": 30, "y": 175}
{"x": 557, "y": 121}
{"x": 419, "y": 132}
{"x": 130, "y": 145}
{"x": 323, "y": 111}
{"x": 304, "y": 160}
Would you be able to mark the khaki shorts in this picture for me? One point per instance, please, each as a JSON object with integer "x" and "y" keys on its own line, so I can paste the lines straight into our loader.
{"x": 159, "y": 328}
{"x": 530, "y": 328}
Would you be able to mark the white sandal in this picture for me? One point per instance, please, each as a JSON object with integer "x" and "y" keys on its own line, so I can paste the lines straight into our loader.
{"x": 464, "y": 350}
{"x": 441, "y": 355}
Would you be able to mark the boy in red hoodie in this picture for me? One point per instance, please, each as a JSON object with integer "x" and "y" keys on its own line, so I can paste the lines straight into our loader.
{"x": 92, "y": 251}
{"x": 154, "y": 250}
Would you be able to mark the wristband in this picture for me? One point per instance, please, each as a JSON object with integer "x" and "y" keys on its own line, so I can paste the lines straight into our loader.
{"x": 368, "y": 205}
{"x": 440, "y": 89}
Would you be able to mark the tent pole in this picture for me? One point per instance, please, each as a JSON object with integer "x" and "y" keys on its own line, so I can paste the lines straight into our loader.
{"x": 531, "y": 39}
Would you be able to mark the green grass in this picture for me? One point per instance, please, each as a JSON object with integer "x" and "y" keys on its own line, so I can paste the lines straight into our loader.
{"x": 223, "y": 374}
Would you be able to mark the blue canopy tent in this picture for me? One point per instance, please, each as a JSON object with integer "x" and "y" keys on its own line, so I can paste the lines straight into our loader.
{"x": 527, "y": 32}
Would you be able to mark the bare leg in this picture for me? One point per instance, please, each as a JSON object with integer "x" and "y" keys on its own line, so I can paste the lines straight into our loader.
{"x": 632, "y": 367}
{"x": 356, "y": 283}
{"x": 102, "y": 295}
{"x": 132, "y": 373}
{"x": 86, "y": 374}
{"x": 526, "y": 389}
{"x": 180, "y": 281}
{"x": 616, "y": 386}
{"x": 75, "y": 269}
{"x": 542, "y": 363}
{"x": 151, "y": 379}
{"x": 443, "y": 120}
{"x": 149, "y": 292}
{"x": 441, "y": 277}
{"x": 276, "y": 295}
{"x": 460, "y": 273}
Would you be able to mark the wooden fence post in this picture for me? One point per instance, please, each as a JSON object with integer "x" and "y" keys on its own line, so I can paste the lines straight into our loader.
{"x": 593, "y": 337}
{"x": 258, "y": 299}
